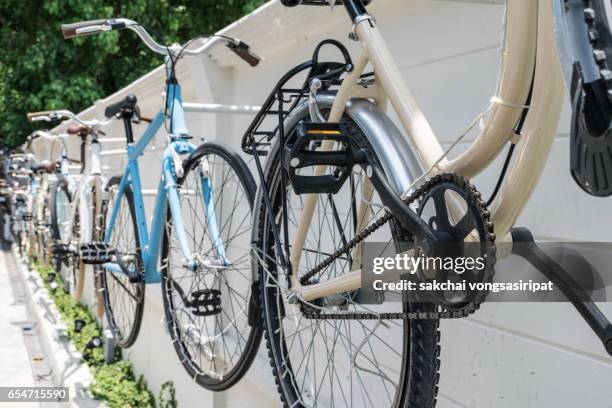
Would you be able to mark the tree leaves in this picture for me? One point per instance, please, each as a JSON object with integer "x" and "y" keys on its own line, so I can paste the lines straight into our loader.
{"x": 39, "y": 70}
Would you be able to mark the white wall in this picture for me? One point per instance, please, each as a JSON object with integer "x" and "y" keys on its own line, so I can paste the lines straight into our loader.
{"x": 507, "y": 355}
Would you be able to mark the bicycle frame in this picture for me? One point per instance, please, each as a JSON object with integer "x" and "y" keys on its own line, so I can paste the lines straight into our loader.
{"x": 167, "y": 192}
{"x": 530, "y": 62}
{"x": 91, "y": 179}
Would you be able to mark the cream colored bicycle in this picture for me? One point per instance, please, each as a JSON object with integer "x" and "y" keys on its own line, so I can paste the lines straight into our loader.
{"x": 340, "y": 179}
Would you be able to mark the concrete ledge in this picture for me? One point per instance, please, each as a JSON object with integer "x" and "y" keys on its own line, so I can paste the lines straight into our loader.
{"x": 69, "y": 368}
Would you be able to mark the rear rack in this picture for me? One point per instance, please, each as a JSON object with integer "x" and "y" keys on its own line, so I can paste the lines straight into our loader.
{"x": 279, "y": 104}
{"x": 282, "y": 100}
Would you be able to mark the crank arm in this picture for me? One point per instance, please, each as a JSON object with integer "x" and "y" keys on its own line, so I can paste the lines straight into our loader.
{"x": 400, "y": 210}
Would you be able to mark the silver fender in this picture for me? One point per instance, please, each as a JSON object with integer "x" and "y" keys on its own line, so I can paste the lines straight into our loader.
{"x": 397, "y": 158}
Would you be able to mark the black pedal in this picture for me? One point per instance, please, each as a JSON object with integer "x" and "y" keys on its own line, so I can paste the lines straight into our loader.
{"x": 206, "y": 302}
{"x": 305, "y": 152}
{"x": 42, "y": 225}
{"x": 26, "y": 216}
{"x": 62, "y": 252}
{"x": 95, "y": 253}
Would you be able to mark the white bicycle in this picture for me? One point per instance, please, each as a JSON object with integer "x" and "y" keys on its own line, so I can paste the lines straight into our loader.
{"x": 76, "y": 203}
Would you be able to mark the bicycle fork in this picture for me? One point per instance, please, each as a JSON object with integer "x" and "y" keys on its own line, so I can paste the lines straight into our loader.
{"x": 190, "y": 260}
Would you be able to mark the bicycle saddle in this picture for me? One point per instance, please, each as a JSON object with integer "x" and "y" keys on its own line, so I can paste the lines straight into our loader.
{"x": 77, "y": 129}
{"x": 127, "y": 103}
{"x": 45, "y": 167}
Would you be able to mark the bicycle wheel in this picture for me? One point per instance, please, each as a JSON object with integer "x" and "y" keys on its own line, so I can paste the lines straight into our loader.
{"x": 335, "y": 361}
{"x": 215, "y": 348}
{"x": 61, "y": 208}
{"x": 19, "y": 228}
{"x": 124, "y": 300}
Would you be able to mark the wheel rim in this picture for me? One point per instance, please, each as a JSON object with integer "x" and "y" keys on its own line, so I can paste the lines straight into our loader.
{"x": 213, "y": 347}
{"x": 123, "y": 299}
{"x": 351, "y": 363}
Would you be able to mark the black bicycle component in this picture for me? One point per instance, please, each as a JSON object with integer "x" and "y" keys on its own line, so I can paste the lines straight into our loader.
{"x": 256, "y": 140}
{"x": 96, "y": 253}
{"x": 453, "y": 192}
{"x": 590, "y": 147}
{"x": 443, "y": 309}
{"x": 125, "y": 106}
{"x": 529, "y": 250}
{"x": 591, "y": 96}
{"x": 205, "y": 302}
{"x": 62, "y": 252}
{"x": 303, "y": 153}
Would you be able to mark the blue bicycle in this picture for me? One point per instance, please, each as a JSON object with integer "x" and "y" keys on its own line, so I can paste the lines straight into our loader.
{"x": 201, "y": 228}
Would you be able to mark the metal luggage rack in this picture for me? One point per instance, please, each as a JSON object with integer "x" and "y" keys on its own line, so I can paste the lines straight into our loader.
{"x": 282, "y": 100}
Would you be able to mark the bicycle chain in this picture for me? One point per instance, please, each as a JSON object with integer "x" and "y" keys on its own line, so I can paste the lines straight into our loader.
{"x": 312, "y": 313}
{"x": 599, "y": 54}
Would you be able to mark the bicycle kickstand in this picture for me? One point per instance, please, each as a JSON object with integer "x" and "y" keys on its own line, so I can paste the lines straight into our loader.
{"x": 589, "y": 311}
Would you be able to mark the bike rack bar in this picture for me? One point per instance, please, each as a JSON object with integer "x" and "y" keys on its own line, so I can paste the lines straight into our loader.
{"x": 589, "y": 311}
{"x": 218, "y": 108}
{"x": 111, "y": 140}
{"x": 118, "y": 152}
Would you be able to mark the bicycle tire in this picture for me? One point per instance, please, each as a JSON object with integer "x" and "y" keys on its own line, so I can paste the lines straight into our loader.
{"x": 58, "y": 198}
{"x": 58, "y": 189}
{"x": 218, "y": 156}
{"x": 420, "y": 348}
{"x": 125, "y": 326}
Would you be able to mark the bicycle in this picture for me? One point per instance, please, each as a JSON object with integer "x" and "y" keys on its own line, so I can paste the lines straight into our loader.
{"x": 6, "y": 191}
{"x": 201, "y": 223}
{"x": 339, "y": 176}
{"x": 39, "y": 217}
{"x": 76, "y": 207}
{"x": 19, "y": 177}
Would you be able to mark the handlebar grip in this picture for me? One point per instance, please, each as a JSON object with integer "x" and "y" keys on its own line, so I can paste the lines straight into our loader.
{"x": 70, "y": 30}
{"x": 244, "y": 51}
{"x": 33, "y": 115}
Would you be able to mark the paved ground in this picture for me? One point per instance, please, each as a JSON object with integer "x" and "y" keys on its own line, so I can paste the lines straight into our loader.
{"x": 16, "y": 369}
{"x": 22, "y": 362}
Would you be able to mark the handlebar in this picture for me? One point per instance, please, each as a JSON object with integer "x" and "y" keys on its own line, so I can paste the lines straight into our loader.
{"x": 90, "y": 27}
{"x": 85, "y": 28}
{"x": 38, "y": 116}
{"x": 49, "y": 116}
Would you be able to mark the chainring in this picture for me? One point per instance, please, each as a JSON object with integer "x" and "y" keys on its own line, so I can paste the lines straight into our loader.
{"x": 479, "y": 217}
{"x": 461, "y": 222}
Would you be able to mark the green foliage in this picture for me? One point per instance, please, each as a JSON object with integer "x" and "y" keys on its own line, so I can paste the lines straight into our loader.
{"x": 71, "y": 311}
{"x": 167, "y": 395}
{"x": 39, "y": 70}
{"x": 114, "y": 383}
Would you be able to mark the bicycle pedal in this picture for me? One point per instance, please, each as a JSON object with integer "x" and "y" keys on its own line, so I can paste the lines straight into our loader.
{"x": 26, "y": 216}
{"x": 61, "y": 251}
{"x": 95, "y": 253}
{"x": 206, "y": 302}
{"x": 304, "y": 152}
